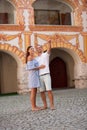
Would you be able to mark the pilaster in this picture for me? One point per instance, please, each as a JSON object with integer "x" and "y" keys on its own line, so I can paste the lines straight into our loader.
{"x": 27, "y": 39}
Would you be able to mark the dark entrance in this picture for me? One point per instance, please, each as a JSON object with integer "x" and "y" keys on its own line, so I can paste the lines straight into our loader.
{"x": 8, "y": 74}
{"x": 58, "y": 73}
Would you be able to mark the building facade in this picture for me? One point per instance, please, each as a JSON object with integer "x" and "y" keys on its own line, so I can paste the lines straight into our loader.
{"x": 31, "y": 22}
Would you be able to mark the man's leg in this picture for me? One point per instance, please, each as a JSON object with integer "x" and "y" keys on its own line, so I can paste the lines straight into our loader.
{"x": 50, "y": 95}
{"x": 42, "y": 92}
{"x": 43, "y": 96}
{"x": 47, "y": 80}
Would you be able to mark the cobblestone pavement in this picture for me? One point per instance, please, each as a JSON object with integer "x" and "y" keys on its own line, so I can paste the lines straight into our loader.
{"x": 70, "y": 112}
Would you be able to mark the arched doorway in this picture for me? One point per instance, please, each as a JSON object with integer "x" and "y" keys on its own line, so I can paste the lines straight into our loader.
{"x": 62, "y": 65}
{"x": 58, "y": 73}
{"x": 8, "y": 73}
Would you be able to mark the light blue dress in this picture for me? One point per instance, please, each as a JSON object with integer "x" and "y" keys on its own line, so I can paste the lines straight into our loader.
{"x": 33, "y": 74}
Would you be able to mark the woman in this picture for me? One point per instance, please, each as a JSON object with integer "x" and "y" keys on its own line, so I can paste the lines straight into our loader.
{"x": 34, "y": 83}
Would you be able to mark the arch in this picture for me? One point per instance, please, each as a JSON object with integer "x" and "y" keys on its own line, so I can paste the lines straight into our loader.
{"x": 66, "y": 65}
{"x": 20, "y": 60}
{"x": 13, "y": 2}
{"x": 69, "y": 3}
{"x": 8, "y": 73}
{"x": 74, "y": 51}
{"x": 14, "y": 52}
{"x": 77, "y": 54}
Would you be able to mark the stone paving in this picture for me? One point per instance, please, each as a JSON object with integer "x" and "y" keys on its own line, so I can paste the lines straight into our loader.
{"x": 70, "y": 112}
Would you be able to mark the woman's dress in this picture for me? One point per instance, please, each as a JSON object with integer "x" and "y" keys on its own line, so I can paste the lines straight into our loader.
{"x": 33, "y": 75}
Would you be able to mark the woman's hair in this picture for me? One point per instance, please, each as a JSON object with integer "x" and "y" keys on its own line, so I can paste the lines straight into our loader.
{"x": 27, "y": 52}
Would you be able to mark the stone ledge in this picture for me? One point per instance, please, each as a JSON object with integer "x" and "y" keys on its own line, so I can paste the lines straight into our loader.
{"x": 11, "y": 27}
{"x": 66, "y": 28}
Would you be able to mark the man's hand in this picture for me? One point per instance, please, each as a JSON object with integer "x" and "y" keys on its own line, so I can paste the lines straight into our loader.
{"x": 42, "y": 66}
{"x": 49, "y": 46}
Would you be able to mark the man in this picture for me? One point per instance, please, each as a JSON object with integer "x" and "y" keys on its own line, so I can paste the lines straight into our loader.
{"x": 45, "y": 79}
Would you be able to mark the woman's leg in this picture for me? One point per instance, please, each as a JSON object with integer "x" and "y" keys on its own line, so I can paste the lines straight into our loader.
{"x": 33, "y": 99}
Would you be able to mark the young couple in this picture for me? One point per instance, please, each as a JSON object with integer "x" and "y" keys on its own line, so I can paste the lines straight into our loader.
{"x": 39, "y": 76}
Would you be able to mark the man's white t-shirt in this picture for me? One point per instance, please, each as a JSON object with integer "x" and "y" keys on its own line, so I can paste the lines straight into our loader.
{"x": 43, "y": 59}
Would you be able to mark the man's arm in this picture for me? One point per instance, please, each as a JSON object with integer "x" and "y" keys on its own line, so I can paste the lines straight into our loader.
{"x": 49, "y": 46}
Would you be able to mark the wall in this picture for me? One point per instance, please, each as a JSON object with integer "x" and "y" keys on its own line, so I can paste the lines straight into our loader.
{"x": 14, "y": 39}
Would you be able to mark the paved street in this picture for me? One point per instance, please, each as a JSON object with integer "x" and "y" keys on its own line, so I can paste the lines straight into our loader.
{"x": 70, "y": 112}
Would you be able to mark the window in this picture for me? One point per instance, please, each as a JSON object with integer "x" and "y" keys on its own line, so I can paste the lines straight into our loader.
{"x": 52, "y": 17}
{"x": 6, "y": 12}
{"x": 3, "y": 18}
{"x": 52, "y": 12}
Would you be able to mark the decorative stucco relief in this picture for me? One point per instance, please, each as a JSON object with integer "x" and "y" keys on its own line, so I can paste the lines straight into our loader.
{"x": 59, "y": 38}
{"x": 84, "y": 2}
{"x": 61, "y": 41}
{"x": 31, "y": 16}
{"x": 84, "y": 34}
{"x": 77, "y": 17}
{"x": 22, "y": 3}
{"x": 20, "y": 6}
{"x": 19, "y": 16}
{"x": 5, "y": 37}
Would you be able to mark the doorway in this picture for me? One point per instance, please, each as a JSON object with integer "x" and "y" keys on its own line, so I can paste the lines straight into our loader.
{"x": 8, "y": 73}
{"x": 58, "y": 73}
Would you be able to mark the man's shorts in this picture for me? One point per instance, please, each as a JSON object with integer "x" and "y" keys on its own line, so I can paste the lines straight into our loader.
{"x": 45, "y": 82}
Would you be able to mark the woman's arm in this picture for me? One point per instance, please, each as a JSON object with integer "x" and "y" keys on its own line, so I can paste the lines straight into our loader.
{"x": 39, "y": 67}
{"x": 31, "y": 67}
